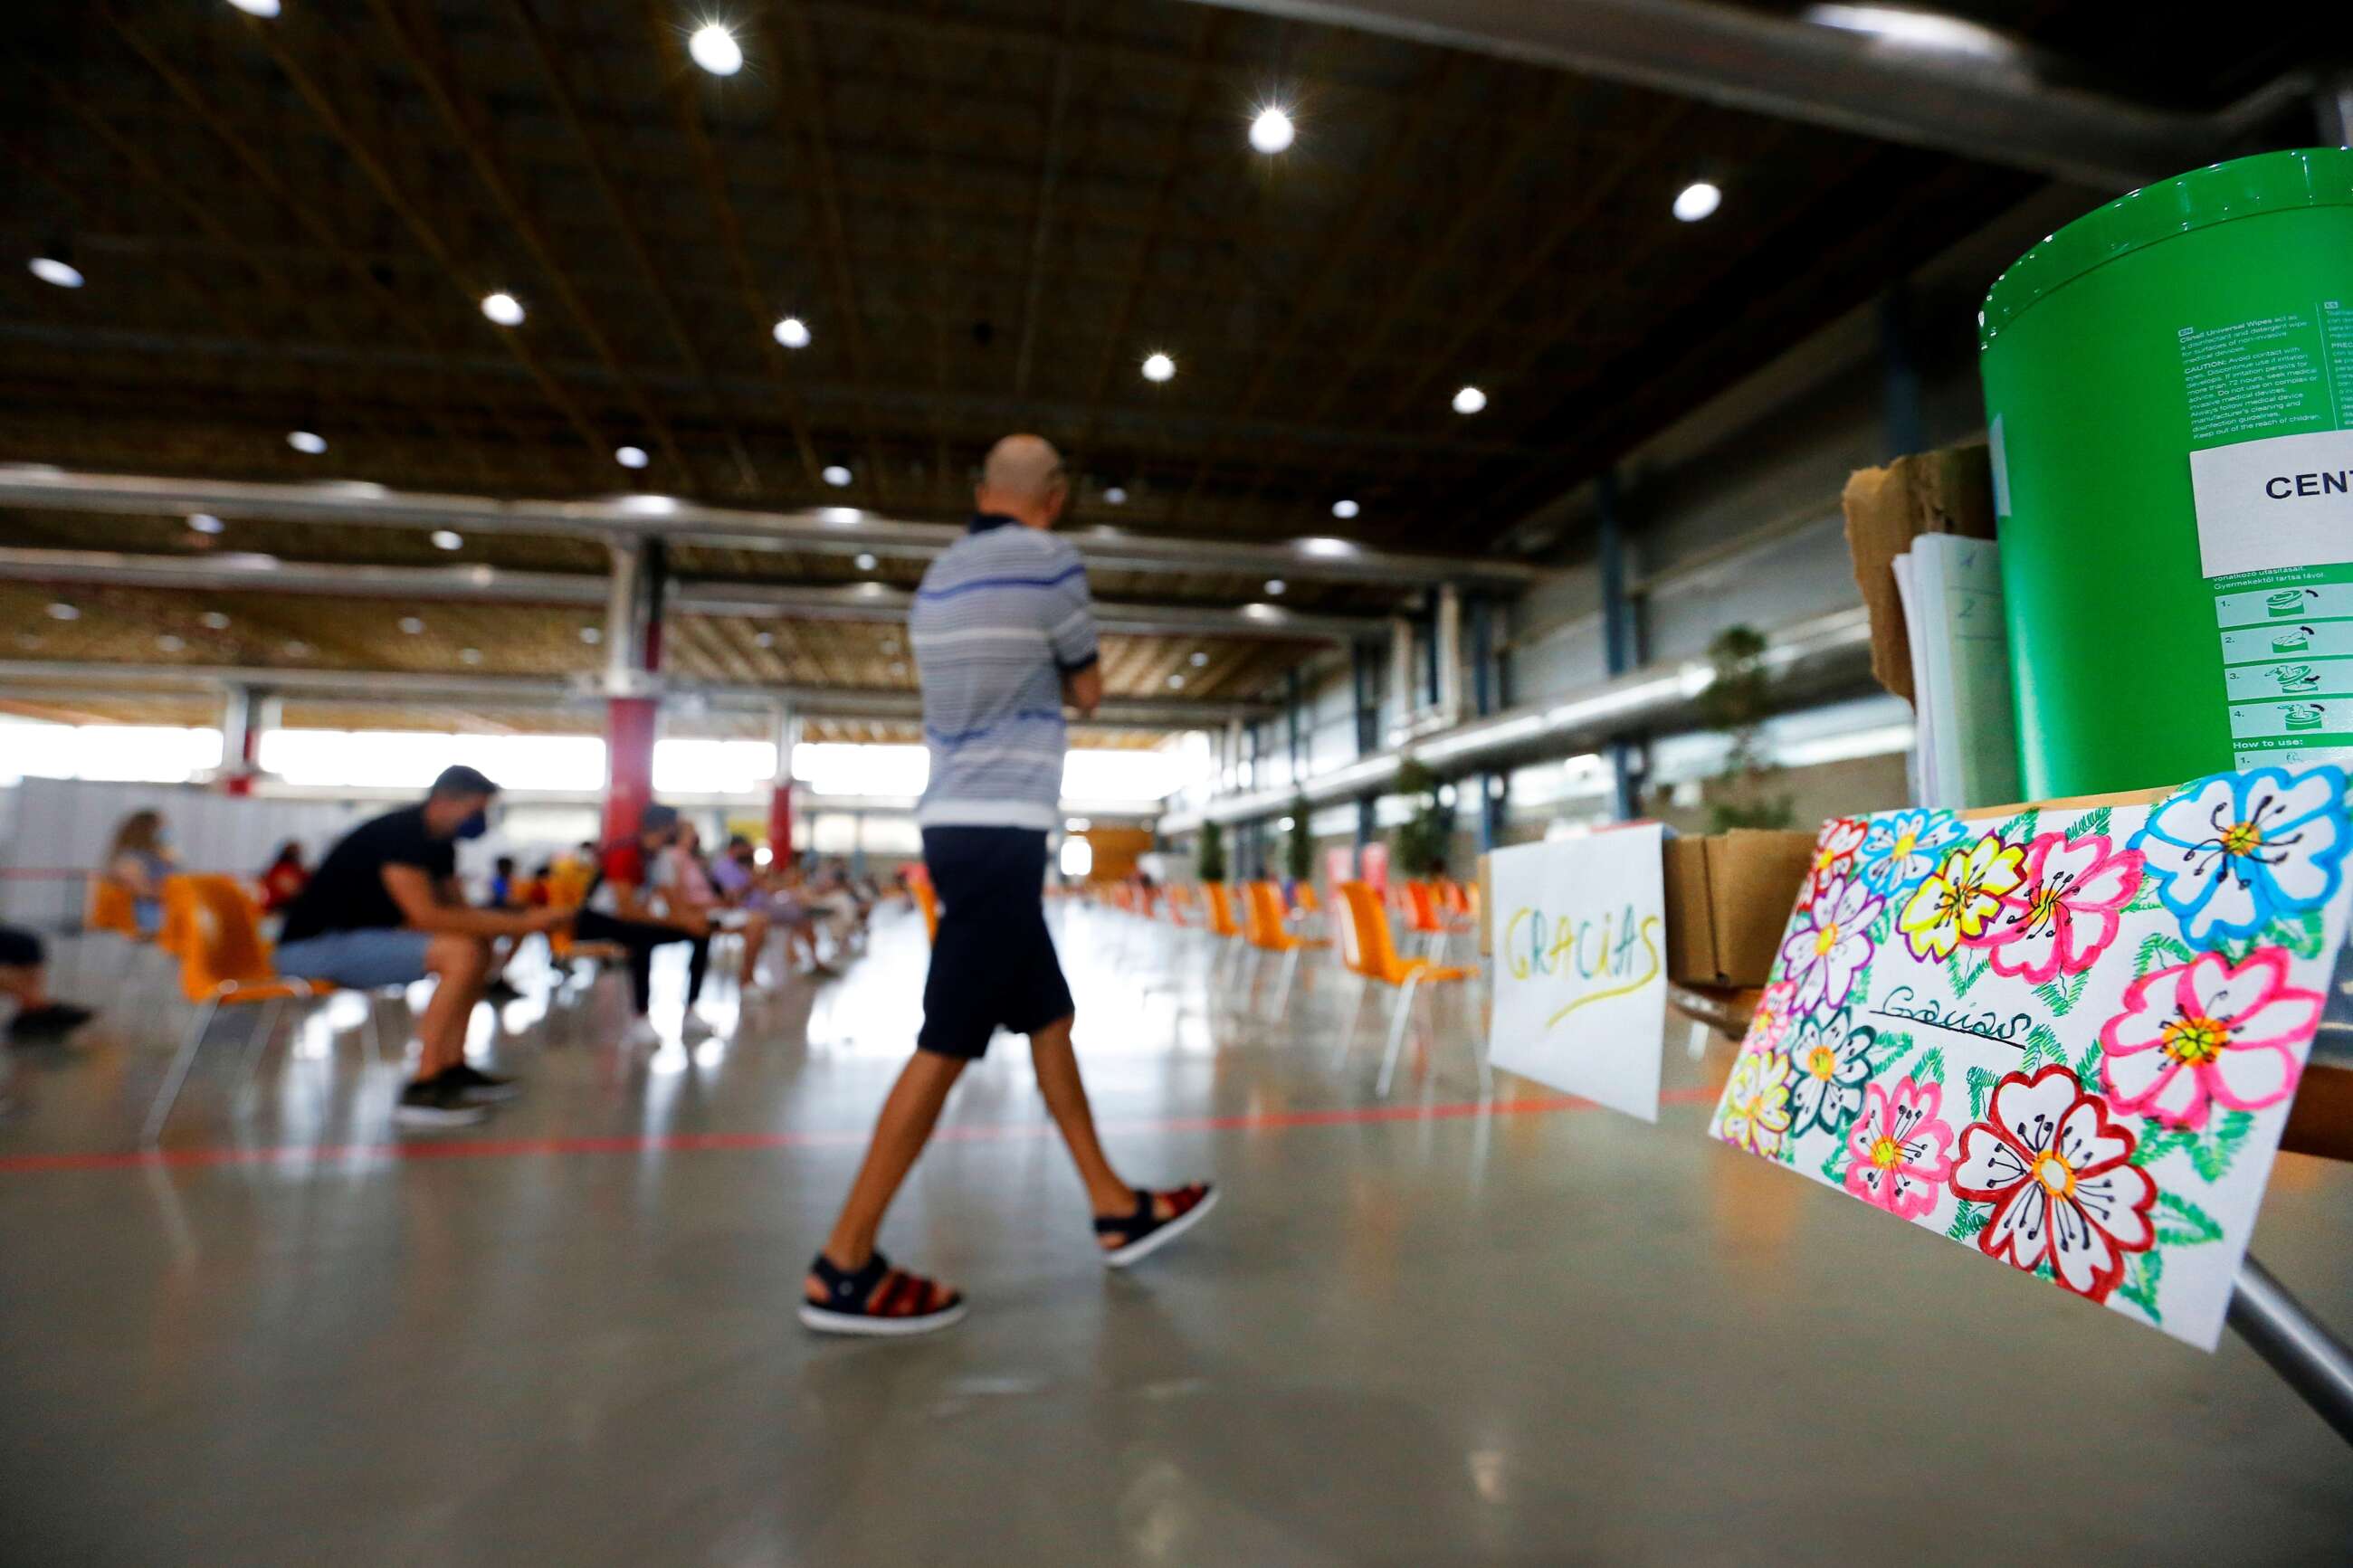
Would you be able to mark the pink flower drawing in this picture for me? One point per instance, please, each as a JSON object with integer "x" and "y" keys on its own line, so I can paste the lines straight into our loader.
{"x": 2065, "y": 913}
{"x": 2204, "y": 1033}
{"x": 1900, "y": 1150}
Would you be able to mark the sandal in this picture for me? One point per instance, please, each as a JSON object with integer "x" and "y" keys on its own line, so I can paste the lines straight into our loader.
{"x": 878, "y": 1299}
{"x": 1143, "y": 1233}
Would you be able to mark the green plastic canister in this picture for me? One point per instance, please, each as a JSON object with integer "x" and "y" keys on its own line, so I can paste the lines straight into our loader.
{"x": 2169, "y": 389}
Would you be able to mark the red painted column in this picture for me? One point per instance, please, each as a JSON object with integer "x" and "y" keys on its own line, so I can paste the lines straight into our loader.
{"x": 780, "y": 823}
{"x": 629, "y": 725}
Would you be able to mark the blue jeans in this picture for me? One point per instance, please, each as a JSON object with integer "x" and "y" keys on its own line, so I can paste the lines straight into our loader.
{"x": 361, "y": 960}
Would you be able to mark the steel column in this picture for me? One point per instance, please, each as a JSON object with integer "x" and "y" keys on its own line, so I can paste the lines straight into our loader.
{"x": 240, "y": 726}
{"x": 1619, "y": 636}
{"x": 632, "y": 684}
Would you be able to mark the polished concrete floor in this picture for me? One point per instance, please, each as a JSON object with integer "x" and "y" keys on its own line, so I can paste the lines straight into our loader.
{"x": 1419, "y": 1332}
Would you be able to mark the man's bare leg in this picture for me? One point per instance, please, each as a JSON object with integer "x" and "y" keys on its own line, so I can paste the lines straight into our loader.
{"x": 899, "y": 1132}
{"x": 463, "y": 966}
{"x": 1065, "y": 1092}
{"x": 755, "y": 943}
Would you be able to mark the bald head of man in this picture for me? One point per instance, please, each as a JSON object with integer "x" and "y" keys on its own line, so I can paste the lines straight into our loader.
{"x": 1023, "y": 479}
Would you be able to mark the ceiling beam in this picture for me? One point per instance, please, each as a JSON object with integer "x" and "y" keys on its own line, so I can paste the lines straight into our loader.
{"x": 1820, "y": 76}
{"x": 44, "y": 680}
{"x": 829, "y": 530}
{"x": 223, "y": 572}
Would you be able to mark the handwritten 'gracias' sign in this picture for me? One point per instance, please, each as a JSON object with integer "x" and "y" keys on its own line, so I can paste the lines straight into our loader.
{"x": 1580, "y": 981}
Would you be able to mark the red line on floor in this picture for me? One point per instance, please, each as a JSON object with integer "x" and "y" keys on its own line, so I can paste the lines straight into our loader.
{"x": 708, "y": 1142}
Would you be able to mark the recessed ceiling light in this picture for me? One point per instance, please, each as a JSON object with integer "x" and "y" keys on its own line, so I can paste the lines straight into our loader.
{"x": 443, "y": 538}
{"x": 205, "y": 522}
{"x": 866, "y": 563}
{"x": 411, "y": 625}
{"x": 308, "y": 442}
{"x": 834, "y": 475}
{"x": 470, "y": 654}
{"x": 213, "y": 621}
{"x": 653, "y": 506}
{"x": 1273, "y": 131}
{"x": 1199, "y": 660}
{"x": 1274, "y": 587}
{"x": 1262, "y": 612}
{"x": 1696, "y": 200}
{"x": 297, "y": 648}
{"x": 765, "y": 639}
{"x": 714, "y": 48}
{"x": 1176, "y": 683}
{"x": 1923, "y": 30}
{"x": 171, "y": 643}
{"x": 62, "y": 611}
{"x": 1328, "y": 547}
{"x": 1470, "y": 400}
{"x": 263, "y": 8}
{"x": 1159, "y": 367}
{"x": 631, "y": 457}
{"x": 1115, "y": 496}
{"x": 592, "y": 635}
{"x": 503, "y": 308}
{"x": 1345, "y": 509}
{"x": 49, "y": 270}
{"x": 793, "y": 333}
{"x": 841, "y": 516}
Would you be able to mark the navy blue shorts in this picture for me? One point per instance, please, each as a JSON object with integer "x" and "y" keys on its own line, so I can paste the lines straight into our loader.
{"x": 993, "y": 963}
{"x": 19, "y": 949}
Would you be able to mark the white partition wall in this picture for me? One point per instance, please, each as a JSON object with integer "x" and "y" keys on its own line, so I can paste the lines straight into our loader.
{"x": 53, "y": 827}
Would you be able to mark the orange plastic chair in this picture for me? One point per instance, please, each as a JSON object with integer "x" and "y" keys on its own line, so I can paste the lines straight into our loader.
{"x": 1269, "y": 932}
{"x": 1221, "y": 910}
{"x": 224, "y": 962}
{"x": 1428, "y": 914}
{"x": 928, "y": 899}
{"x": 1368, "y": 953}
{"x": 111, "y": 909}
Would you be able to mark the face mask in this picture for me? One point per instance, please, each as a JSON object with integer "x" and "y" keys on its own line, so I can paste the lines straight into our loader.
{"x": 475, "y": 826}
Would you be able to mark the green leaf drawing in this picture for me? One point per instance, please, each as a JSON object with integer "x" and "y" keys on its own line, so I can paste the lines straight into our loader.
{"x": 1930, "y": 1067}
{"x": 1981, "y": 1084}
{"x": 2158, "y": 945}
{"x": 2211, "y": 1152}
{"x": 2197, "y": 1225}
{"x": 2142, "y": 1272}
{"x": 1834, "y": 1165}
{"x": 2019, "y": 829}
{"x": 1884, "y": 927}
{"x": 2042, "y": 1045}
{"x": 1966, "y": 976}
{"x": 2303, "y": 936}
{"x": 1891, "y": 1047}
{"x": 2146, "y": 899}
{"x": 2061, "y": 996}
{"x": 1969, "y": 1219}
{"x": 2095, "y": 820}
{"x": 2087, "y": 1065}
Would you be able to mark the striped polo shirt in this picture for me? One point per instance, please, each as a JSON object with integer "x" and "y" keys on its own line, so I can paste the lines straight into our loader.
{"x": 1003, "y": 615}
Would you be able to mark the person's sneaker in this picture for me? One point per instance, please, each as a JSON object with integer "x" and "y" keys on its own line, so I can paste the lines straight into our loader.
{"x": 436, "y": 1103}
{"x": 476, "y": 1087}
{"x": 47, "y": 1025}
{"x": 501, "y": 993}
{"x": 642, "y": 1033}
{"x": 693, "y": 1028}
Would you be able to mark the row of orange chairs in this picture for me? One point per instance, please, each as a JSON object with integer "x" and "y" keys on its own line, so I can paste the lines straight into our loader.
{"x": 1368, "y": 949}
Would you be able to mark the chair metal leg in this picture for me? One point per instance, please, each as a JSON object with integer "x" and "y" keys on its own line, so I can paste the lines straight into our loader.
{"x": 2308, "y": 1357}
{"x": 1400, "y": 1015}
{"x": 1348, "y": 1030}
{"x": 177, "y": 1077}
{"x": 258, "y": 1046}
{"x": 1282, "y": 986}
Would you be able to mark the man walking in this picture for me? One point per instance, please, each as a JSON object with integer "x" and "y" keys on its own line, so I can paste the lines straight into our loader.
{"x": 1004, "y": 636}
{"x": 385, "y": 909}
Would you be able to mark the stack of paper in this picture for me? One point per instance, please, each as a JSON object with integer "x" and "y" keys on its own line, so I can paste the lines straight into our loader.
{"x": 1966, "y": 749}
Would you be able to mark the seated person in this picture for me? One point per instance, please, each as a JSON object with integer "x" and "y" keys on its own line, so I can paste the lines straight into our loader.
{"x": 504, "y": 892}
{"x": 40, "y": 1019}
{"x": 623, "y": 907}
{"x": 683, "y": 879}
{"x": 137, "y": 862}
{"x": 535, "y": 892}
{"x": 284, "y": 879}
{"x": 385, "y": 909}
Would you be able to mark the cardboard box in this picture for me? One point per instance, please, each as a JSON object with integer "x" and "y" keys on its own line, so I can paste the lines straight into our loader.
{"x": 1728, "y": 900}
{"x": 1950, "y": 491}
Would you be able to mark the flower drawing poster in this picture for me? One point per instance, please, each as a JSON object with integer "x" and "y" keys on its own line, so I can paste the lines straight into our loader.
{"x": 2068, "y": 1039}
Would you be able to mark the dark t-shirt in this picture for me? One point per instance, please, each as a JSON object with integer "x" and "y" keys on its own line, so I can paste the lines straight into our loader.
{"x": 347, "y": 892}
